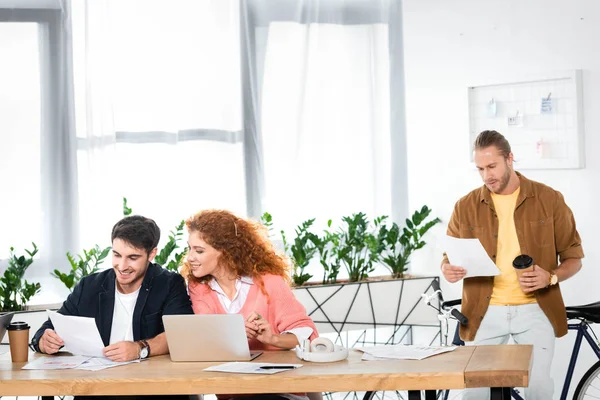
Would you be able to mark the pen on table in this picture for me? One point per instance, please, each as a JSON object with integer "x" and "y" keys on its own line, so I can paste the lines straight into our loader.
{"x": 277, "y": 367}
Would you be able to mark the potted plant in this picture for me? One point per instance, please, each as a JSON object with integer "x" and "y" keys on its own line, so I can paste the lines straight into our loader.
{"x": 15, "y": 291}
{"x": 168, "y": 256}
{"x": 327, "y": 248}
{"x": 400, "y": 244}
{"x": 87, "y": 264}
{"x": 300, "y": 251}
{"x": 358, "y": 247}
{"x": 391, "y": 304}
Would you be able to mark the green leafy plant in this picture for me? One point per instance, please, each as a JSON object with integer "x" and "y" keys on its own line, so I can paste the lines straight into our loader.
{"x": 126, "y": 210}
{"x": 267, "y": 220}
{"x": 401, "y": 244}
{"x": 359, "y": 248}
{"x": 301, "y": 251}
{"x": 15, "y": 291}
{"x": 327, "y": 247}
{"x": 168, "y": 256}
{"x": 83, "y": 265}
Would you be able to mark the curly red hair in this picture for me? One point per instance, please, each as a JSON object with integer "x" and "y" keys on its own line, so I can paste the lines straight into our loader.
{"x": 244, "y": 245}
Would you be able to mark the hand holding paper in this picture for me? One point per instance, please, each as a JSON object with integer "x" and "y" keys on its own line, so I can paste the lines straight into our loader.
{"x": 80, "y": 334}
{"x": 470, "y": 255}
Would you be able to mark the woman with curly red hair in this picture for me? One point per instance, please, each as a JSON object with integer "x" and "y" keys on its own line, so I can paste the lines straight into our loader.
{"x": 232, "y": 267}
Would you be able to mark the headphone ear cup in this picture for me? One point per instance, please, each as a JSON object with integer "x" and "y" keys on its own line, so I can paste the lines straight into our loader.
{"x": 322, "y": 345}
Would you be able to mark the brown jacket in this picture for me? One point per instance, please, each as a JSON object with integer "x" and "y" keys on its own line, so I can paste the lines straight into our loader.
{"x": 546, "y": 231}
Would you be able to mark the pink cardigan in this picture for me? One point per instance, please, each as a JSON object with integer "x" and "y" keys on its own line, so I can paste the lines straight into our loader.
{"x": 280, "y": 308}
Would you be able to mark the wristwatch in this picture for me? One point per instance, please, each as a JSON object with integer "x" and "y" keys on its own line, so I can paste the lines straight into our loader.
{"x": 553, "y": 280}
{"x": 144, "y": 349}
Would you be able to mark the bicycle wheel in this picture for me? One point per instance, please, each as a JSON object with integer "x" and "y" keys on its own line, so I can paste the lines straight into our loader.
{"x": 589, "y": 385}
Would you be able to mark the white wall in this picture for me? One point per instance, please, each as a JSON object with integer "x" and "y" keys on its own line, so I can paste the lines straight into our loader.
{"x": 452, "y": 44}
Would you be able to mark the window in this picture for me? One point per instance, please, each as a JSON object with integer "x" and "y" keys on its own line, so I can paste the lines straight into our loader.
{"x": 158, "y": 100}
{"x": 20, "y": 170}
{"x": 325, "y": 122}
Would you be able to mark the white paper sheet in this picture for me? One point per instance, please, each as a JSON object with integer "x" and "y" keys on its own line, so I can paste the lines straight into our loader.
{"x": 402, "y": 352}
{"x": 80, "y": 334}
{"x": 74, "y": 362}
{"x": 56, "y": 362}
{"x": 250, "y": 368}
{"x": 98, "y": 363}
{"x": 470, "y": 254}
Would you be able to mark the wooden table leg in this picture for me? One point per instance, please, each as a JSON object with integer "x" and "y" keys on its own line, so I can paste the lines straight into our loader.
{"x": 500, "y": 393}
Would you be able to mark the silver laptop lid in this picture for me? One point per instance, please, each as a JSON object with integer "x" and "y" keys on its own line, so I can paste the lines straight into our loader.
{"x": 4, "y": 322}
{"x": 207, "y": 337}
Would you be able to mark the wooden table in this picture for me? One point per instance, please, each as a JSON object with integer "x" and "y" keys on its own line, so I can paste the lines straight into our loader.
{"x": 466, "y": 367}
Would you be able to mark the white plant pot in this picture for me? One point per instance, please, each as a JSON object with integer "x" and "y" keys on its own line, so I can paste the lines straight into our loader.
{"x": 390, "y": 305}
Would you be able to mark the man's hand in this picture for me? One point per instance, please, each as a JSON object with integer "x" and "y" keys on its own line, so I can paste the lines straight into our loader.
{"x": 452, "y": 273}
{"x": 50, "y": 342}
{"x": 539, "y": 278}
{"x": 122, "y": 351}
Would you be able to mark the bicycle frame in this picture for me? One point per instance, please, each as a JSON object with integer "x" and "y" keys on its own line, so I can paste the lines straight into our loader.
{"x": 582, "y": 331}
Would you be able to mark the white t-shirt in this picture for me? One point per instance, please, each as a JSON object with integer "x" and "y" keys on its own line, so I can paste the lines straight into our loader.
{"x": 122, "y": 324}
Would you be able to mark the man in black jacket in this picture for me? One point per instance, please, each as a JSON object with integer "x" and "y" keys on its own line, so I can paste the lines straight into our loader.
{"x": 127, "y": 301}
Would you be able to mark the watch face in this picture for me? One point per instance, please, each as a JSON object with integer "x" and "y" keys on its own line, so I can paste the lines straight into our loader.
{"x": 144, "y": 352}
{"x": 554, "y": 279}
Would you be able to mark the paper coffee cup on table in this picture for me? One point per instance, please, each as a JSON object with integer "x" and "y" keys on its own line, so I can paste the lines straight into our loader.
{"x": 18, "y": 338}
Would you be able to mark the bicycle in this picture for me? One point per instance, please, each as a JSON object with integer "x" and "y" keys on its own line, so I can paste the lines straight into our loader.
{"x": 589, "y": 385}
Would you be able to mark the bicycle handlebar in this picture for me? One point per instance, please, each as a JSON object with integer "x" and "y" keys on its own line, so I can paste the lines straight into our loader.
{"x": 459, "y": 316}
{"x": 451, "y": 303}
{"x": 435, "y": 285}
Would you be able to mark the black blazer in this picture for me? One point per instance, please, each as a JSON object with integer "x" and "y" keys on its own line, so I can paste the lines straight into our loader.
{"x": 162, "y": 293}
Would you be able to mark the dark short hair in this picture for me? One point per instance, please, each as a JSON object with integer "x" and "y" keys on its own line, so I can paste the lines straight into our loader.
{"x": 138, "y": 231}
{"x": 492, "y": 138}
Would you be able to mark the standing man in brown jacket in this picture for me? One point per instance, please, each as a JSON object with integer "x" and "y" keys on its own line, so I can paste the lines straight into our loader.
{"x": 512, "y": 215}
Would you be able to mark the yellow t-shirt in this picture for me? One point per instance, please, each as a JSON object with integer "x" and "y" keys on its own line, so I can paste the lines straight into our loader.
{"x": 507, "y": 290}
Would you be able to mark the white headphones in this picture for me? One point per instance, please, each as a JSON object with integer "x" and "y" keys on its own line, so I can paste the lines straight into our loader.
{"x": 321, "y": 350}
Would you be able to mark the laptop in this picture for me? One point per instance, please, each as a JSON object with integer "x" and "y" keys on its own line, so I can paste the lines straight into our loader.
{"x": 4, "y": 322}
{"x": 207, "y": 337}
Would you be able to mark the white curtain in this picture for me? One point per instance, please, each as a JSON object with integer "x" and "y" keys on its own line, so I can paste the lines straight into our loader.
{"x": 158, "y": 85}
{"x": 323, "y": 72}
{"x": 20, "y": 138}
{"x": 37, "y": 157}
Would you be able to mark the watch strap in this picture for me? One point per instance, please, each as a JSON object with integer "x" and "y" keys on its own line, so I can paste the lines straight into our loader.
{"x": 144, "y": 345}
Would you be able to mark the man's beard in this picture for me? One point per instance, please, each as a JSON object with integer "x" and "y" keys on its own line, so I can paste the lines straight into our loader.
{"x": 504, "y": 181}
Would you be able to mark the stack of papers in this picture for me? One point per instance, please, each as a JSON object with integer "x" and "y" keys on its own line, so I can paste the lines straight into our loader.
{"x": 252, "y": 368}
{"x": 402, "y": 352}
{"x": 74, "y": 362}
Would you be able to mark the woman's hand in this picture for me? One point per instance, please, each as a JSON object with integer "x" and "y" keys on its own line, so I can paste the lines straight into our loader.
{"x": 251, "y": 326}
{"x": 264, "y": 332}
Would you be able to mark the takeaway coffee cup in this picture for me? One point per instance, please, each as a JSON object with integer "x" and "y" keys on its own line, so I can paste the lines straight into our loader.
{"x": 18, "y": 338}
{"x": 523, "y": 263}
